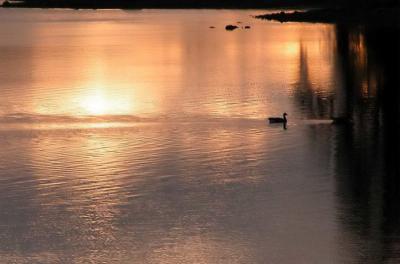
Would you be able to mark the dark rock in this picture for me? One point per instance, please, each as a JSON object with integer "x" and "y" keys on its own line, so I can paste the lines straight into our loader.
{"x": 231, "y": 27}
{"x": 247, "y": 27}
{"x": 212, "y": 27}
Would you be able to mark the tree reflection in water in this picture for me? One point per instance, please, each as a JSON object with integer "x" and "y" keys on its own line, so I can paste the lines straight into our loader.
{"x": 366, "y": 153}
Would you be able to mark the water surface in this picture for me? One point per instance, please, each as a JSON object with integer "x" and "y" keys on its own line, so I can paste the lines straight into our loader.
{"x": 140, "y": 136}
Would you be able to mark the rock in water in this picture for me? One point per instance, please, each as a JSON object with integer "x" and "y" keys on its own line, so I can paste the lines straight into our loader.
{"x": 231, "y": 27}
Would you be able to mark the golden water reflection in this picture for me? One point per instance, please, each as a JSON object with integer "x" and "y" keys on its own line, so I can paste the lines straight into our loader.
{"x": 141, "y": 69}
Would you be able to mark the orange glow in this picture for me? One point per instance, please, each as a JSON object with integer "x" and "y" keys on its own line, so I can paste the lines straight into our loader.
{"x": 291, "y": 48}
{"x": 98, "y": 103}
{"x": 219, "y": 73}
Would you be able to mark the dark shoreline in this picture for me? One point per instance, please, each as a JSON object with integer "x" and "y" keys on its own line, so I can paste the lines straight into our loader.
{"x": 377, "y": 16}
{"x": 122, "y": 4}
{"x": 382, "y": 16}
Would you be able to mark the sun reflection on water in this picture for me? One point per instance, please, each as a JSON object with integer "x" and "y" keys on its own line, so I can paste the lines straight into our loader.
{"x": 100, "y": 103}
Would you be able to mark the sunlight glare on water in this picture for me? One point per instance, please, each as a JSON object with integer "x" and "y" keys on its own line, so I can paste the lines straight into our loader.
{"x": 130, "y": 63}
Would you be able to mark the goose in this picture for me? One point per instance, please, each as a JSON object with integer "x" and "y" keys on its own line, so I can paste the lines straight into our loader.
{"x": 278, "y": 119}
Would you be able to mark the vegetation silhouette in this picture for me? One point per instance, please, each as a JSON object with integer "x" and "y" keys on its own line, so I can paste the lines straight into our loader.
{"x": 367, "y": 11}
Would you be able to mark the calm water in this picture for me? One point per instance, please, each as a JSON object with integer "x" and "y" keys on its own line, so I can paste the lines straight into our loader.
{"x": 140, "y": 137}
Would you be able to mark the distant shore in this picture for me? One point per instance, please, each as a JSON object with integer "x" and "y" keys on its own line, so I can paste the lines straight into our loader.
{"x": 377, "y": 16}
{"x": 143, "y": 4}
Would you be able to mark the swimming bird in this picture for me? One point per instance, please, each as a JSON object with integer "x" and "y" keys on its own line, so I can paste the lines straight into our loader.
{"x": 278, "y": 119}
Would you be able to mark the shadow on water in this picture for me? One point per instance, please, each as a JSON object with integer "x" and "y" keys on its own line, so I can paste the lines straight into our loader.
{"x": 365, "y": 152}
{"x": 313, "y": 103}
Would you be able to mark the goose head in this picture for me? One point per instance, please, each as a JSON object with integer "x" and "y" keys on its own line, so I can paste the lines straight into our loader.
{"x": 284, "y": 117}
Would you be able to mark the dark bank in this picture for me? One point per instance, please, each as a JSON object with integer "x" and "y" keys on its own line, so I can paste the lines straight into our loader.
{"x": 373, "y": 12}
